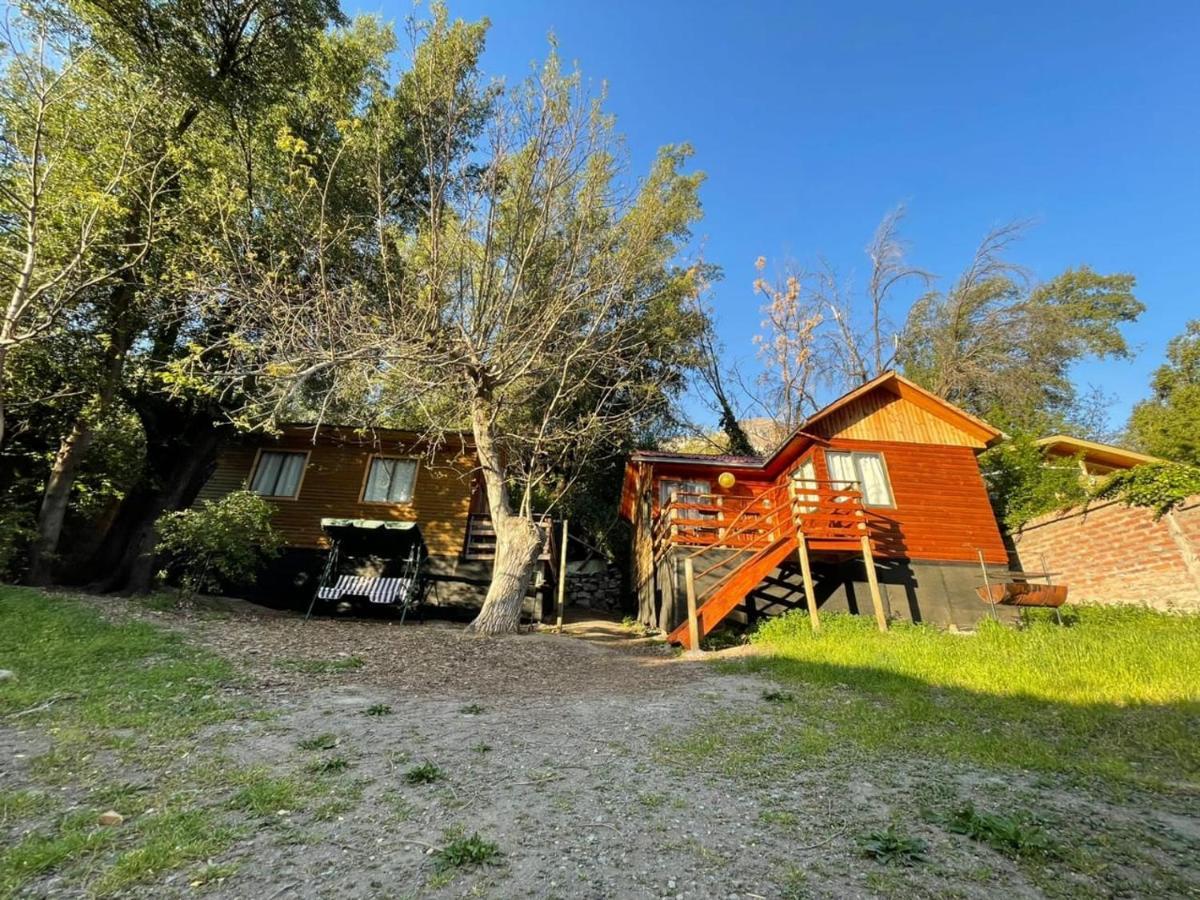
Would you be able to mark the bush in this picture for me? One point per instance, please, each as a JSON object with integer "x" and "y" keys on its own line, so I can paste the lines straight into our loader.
{"x": 1160, "y": 487}
{"x": 1024, "y": 484}
{"x": 219, "y": 541}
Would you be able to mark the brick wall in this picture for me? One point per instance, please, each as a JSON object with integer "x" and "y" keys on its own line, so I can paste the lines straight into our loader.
{"x": 1111, "y": 553}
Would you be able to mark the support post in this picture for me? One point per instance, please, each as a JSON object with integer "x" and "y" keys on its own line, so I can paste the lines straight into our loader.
{"x": 810, "y": 596}
{"x": 689, "y": 578}
{"x": 873, "y": 580}
{"x": 561, "y": 601}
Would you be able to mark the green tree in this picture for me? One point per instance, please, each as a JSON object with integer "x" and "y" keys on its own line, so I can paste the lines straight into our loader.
{"x": 194, "y": 62}
{"x": 1002, "y": 347}
{"x": 1168, "y": 424}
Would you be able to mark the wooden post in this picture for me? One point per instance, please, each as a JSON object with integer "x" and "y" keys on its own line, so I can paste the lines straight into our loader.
{"x": 689, "y": 578}
{"x": 562, "y": 580}
{"x": 987, "y": 586}
{"x": 873, "y": 580}
{"x": 810, "y": 596}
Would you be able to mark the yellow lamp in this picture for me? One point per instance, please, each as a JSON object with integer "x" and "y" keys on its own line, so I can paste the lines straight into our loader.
{"x": 726, "y": 480}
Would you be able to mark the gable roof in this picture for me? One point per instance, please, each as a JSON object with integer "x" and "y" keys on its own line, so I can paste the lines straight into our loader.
{"x": 808, "y": 433}
{"x": 1094, "y": 451}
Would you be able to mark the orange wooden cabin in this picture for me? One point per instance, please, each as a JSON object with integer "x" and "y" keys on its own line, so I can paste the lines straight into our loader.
{"x": 876, "y": 505}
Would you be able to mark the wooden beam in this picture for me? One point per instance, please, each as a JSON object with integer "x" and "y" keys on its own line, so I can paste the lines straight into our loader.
{"x": 562, "y": 580}
{"x": 873, "y": 580}
{"x": 810, "y": 596}
{"x": 689, "y": 578}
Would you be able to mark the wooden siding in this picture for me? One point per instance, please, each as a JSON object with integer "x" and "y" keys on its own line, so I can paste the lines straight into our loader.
{"x": 883, "y": 416}
{"x": 333, "y": 483}
{"x": 941, "y": 512}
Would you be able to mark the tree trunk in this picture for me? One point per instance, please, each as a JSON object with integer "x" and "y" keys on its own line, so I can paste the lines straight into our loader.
{"x": 178, "y": 455}
{"x": 518, "y": 548}
{"x": 43, "y": 553}
{"x": 518, "y": 541}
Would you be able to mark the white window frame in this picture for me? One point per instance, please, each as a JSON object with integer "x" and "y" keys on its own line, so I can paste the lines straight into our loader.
{"x": 684, "y": 486}
{"x": 258, "y": 457}
{"x": 412, "y": 488}
{"x": 855, "y": 456}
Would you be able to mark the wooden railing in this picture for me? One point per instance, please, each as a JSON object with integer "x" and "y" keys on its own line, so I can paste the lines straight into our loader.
{"x": 820, "y": 510}
{"x": 480, "y": 542}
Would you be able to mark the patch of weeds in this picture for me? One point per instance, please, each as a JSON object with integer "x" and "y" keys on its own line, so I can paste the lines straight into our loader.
{"x": 330, "y": 766}
{"x": 778, "y": 817}
{"x": 17, "y": 805}
{"x": 265, "y": 795}
{"x": 891, "y": 846}
{"x": 1013, "y": 835}
{"x": 722, "y": 639}
{"x": 467, "y": 852}
{"x": 378, "y": 709}
{"x": 401, "y": 808}
{"x": 471, "y": 709}
{"x": 76, "y": 836}
{"x": 168, "y": 840}
{"x": 322, "y": 666}
{"x": 319, "y": 742}
{"x": 773, "y": 696}
{"x": 652, "y": 801}
{"x": 482, "y": 748}
{"x": 425, "y": 773}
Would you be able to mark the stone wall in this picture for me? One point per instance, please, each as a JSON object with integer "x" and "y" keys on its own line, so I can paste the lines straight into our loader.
{"x": 1112, "y": 553}
{"x": 594, "y": 587}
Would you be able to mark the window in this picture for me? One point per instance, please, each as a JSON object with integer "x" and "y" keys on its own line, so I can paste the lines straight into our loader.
{"x": 866, "y": 471}
{"x": 390, "y": 480}
{"x": 805, "y": 476}
{"x": 278, "y": 473}
{"x": 669, "y": 486}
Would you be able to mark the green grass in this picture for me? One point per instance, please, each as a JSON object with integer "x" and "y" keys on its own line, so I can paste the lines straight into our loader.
{"x": 1114, "y": 695}
{"x": 322, "y": 666}
{"x": 113, "y": 698}
{"x": 425, "y": 773}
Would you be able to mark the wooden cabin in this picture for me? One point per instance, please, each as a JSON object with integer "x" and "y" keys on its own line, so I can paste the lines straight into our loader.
{"x": 308, "y": 474}
{"x": 876, "y": 505}
{"x": 1095, "y": 460}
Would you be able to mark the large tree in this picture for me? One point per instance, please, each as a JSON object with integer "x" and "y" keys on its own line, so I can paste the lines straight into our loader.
{"x": 194, "y": 61}
{"x": 1168, "y": 424}
{"x": 534, "y": 300}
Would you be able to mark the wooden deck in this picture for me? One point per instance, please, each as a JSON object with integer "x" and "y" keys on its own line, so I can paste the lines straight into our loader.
{"x": 759, "y": 530}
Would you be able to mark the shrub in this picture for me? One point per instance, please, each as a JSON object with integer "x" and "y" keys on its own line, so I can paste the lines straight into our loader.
{"x": 891, "y": 846}
{"x": 1013, "y": 835}
{"x": 1023, "y": 484}
{"x": 467, "y": 851}
{"x": 1160, "y": 487}
{"x": 218, "y": 541}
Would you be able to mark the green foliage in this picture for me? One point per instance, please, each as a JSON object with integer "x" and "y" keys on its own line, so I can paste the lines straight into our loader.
{"x": 1023, "y": 484}
{"x": 1168, "y": 424}
{"x": 891, "y": 846}
{"x": 994, "y": 341}
{"x": 1160, "y": 487}
{"x": 325, "y": 741}
{"x": 467, "y": 851}
{"x": 378, "y": 709}
{"x": 1012, "y": 835}
{"x": 219, "y": 541}
{"x": 425, "y": 773}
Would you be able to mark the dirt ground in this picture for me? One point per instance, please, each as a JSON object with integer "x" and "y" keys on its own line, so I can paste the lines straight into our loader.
{"x": 561, "y": 750}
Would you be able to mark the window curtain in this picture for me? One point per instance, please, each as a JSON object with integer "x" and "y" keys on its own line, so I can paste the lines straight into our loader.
{"x": 390, "y": 481}
{"x": 806, "y": 474}
{"x": 841, "y": 469}
{"x": 278, "y": 474}
{"x": 874, "y": 479}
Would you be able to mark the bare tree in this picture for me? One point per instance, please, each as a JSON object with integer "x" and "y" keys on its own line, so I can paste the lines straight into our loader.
{"x": 536, "y": 305}
{"x": 786, "y": 345}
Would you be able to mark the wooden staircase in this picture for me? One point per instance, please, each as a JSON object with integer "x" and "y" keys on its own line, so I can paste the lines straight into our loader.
{"x": 757, "y": 533}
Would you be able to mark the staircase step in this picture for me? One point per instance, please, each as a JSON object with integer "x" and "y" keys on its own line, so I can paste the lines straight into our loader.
{"x": 733, "y": 591}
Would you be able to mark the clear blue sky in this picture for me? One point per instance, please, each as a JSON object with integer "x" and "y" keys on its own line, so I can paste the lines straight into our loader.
{"x": 812, "y": 119}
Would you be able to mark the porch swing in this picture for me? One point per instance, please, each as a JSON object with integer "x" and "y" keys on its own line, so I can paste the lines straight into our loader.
{"x": 379, "y": 562}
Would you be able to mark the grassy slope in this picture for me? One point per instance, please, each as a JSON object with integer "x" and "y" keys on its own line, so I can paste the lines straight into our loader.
{"x": 1115, "y": 694}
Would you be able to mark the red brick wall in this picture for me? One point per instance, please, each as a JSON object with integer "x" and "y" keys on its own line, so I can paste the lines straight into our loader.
{"x": 1111, "y": 553}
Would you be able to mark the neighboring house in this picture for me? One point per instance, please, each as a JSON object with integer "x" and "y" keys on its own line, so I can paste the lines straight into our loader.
{"x": 1110, "y": 553}
{"x": 1095, "y": 460}
{"x": 889, "y": 461}
{"x": 309, "y": 474}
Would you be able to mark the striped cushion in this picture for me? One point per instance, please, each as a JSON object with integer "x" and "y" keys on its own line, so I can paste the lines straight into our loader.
{"x": 376, "y": 590}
